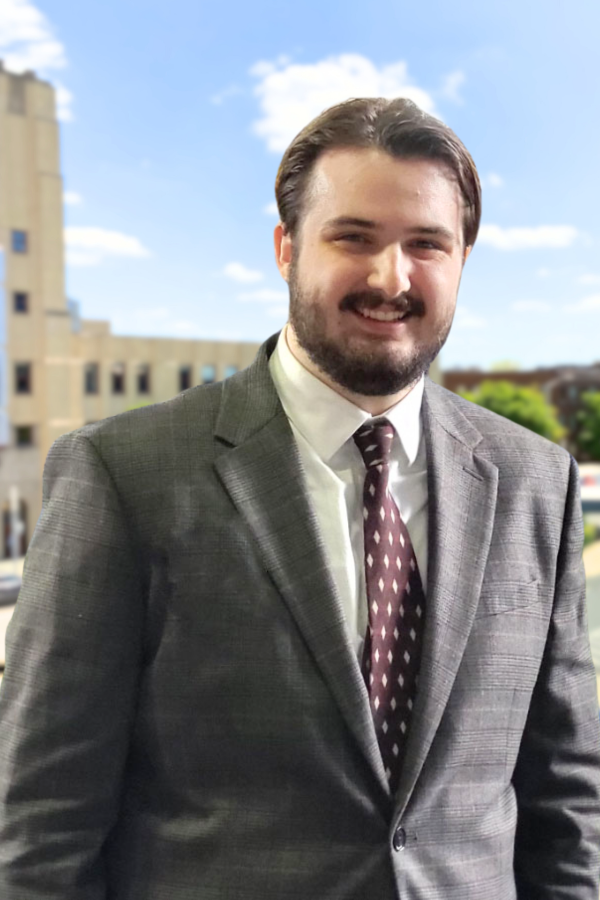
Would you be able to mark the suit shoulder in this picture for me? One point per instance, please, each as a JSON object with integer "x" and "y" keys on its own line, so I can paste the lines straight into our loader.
{"x": 191, "y": 414}
{"x": 499, "y": 433}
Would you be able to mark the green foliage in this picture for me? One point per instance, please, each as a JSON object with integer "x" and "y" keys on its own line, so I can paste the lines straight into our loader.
{"x": 589, "y": 533}
{"x": 588, "y": 434}
{"x": 139, "y": 405}
{"x": 524, "y": 405}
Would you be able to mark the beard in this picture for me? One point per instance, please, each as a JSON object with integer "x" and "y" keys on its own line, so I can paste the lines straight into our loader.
{"x": 372, "y": 371}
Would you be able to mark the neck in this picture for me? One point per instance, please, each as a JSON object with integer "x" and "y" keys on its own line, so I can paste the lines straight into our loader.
{"x": 375, "y": 406}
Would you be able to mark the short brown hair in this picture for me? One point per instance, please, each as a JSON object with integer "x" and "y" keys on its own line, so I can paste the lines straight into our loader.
{"x": 400, "y": 128}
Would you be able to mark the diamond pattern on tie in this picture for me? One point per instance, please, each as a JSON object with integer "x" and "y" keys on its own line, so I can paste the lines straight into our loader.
{"x": 392, "y": 648}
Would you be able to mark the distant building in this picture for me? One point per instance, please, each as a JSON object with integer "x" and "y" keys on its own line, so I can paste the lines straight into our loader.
{"x": 562, "y": 387}
{"x": 58, "y": 372}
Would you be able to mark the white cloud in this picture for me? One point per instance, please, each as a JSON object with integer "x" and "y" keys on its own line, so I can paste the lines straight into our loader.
{"x": 265, "y": 295}
{"x": 589, "y": 278}
{"x": 72, "y": 198}
{"x": 493, "y": 180}
{"x": 238, "y": 272}
{"x": 451, "y": 85}
{"x": 27, "y": 39}
{"x": 81, "y": 259}
{"x": 587, "y": 304}
{"x": 156, "y": 313}
{"x": 554, "y": 236}
{"x": 543, "y": 273}
{"x": 91, "y": 246}
{"x": 466, "y": 319}
{"x": 28, "y": 43}
{"x": 271, "y": 209}
{"x": 531, "y": 306}
{"x": 291, "y": 94}
{"x": 230, "y": 91}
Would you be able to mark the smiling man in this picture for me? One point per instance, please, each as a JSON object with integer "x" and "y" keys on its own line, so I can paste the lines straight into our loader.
{"x": 383, "y": 239}
{"x": 316, "y": 632}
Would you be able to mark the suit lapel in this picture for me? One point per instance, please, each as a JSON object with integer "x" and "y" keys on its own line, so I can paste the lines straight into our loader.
{"x": 261, "y": 470}
{"x": 462, "y": 491}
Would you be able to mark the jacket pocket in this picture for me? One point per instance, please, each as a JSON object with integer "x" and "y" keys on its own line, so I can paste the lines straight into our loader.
{"x": 503, "y": 591}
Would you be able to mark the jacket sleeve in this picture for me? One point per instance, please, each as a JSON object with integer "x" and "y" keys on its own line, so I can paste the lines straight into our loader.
{"x": 68, "y": 695}
{"x": 557, "y": 777}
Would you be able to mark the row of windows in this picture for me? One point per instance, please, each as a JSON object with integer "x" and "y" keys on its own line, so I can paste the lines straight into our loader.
{"x": 91, "y": 378}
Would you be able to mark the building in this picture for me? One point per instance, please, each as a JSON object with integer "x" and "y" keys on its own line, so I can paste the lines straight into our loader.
{"x": 57, "y": 371}
{"x": 562, "y": 387}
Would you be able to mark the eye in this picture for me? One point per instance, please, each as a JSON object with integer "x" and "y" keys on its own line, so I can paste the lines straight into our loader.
{"x": 353, "y": 238}
{"x": 424, "y": 244}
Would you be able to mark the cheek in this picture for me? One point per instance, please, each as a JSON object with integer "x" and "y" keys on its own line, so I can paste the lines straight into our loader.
{"x": 439, "y": 284}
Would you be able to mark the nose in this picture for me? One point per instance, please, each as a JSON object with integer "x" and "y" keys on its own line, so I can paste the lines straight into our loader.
{"x": 390, "y": 272}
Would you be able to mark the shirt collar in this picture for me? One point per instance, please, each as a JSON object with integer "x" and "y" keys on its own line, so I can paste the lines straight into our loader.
{"x": 324, "y": 418}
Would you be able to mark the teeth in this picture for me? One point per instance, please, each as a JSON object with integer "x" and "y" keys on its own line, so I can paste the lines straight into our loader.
{"x": 382, "y": 316}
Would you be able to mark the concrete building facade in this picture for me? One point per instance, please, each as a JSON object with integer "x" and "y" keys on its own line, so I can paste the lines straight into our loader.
{"x": 57, "y": 371}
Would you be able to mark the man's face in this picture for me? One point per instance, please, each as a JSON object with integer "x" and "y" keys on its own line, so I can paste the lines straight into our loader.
{"x": 374, "y": 269}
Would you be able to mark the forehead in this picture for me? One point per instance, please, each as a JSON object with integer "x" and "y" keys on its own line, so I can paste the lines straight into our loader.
{"x": 369, "y": 183}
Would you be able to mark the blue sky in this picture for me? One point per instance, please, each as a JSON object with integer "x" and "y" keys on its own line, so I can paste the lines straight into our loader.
{"x": 175, "y": 117}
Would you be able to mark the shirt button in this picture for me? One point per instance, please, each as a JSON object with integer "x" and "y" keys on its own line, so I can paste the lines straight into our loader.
{"x": 399, "y": 839}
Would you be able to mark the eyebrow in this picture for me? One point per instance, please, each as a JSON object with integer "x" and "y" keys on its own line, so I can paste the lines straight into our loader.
{"x": 435, "y": 231}
{"x": 352, "y": 221}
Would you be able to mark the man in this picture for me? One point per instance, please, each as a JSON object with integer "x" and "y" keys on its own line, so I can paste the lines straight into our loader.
{"x": 317, "y": 631}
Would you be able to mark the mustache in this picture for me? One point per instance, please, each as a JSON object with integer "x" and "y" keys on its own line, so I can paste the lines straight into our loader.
{"x": 403, "y": 303}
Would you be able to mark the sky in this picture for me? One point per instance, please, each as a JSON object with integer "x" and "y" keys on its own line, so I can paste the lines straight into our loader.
{"x": 174, "y": 117}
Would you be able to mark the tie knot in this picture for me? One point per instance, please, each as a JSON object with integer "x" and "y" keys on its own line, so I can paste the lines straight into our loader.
{"x": 374, "y": 440}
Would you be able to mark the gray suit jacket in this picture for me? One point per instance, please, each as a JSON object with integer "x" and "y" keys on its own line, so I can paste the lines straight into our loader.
{"x": 183, "y": 717}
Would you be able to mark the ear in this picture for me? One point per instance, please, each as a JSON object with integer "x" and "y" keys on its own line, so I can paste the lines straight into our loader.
{"x": 283, "y": 250}
{"x": 466, "y": 253}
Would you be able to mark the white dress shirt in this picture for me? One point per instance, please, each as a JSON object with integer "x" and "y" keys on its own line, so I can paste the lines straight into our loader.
{"x": 323, "y": 423}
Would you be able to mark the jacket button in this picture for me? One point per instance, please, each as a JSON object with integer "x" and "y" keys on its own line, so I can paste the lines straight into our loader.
{"x": 399, "y": 839}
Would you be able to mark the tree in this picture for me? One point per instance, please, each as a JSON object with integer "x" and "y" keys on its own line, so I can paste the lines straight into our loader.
{"x": 588, "y": 434}
{"x": 524, "y": 405}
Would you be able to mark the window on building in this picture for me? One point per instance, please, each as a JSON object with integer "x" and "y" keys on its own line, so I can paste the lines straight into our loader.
{"x": 230, "y": 370}
{"x": 117, "y": 378}
{"x": 143, "y": 380}
{"x": 24, "y": 436}
{"x": 185, "y": 378}
{"x": 208, "y": 374}
{"x": 91, "y": 379}
{"x": 573, "y": 392}
{"x": 21, "y": 301}
{"x": 19, "y": 241}
{"x": 23, "y": 378}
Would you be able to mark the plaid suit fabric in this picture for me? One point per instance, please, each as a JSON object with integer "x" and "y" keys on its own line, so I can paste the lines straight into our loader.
{"x": 183, "y": 714}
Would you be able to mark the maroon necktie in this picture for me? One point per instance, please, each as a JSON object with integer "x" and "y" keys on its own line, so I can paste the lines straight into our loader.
{"x": 396, "y": 603}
